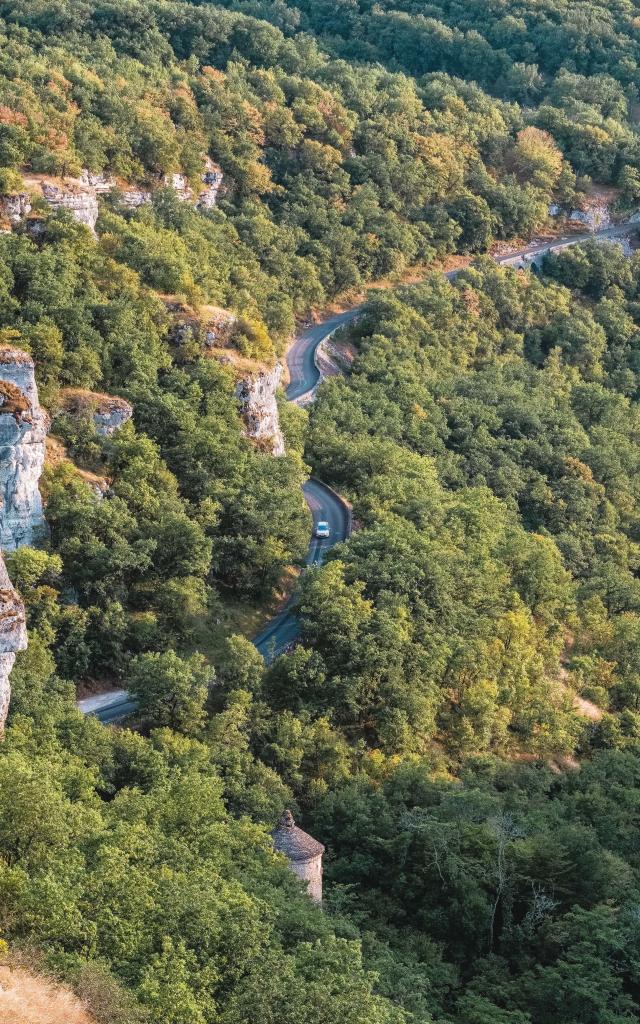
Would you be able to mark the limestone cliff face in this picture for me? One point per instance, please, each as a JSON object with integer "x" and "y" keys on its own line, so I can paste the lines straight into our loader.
{"x": 207, "y": 195}
{"x": 135, "y": 197}
{"x": 80, "y": 195}
{"x": 180, "y": 185}
{"x": 257, "y": 397}
{"x": 594, "y": 217}
{"x": 81, "y": 202}
{"x": 101, "y": 183}
{"x": 594, "y": 210}
{"x": 13, "y": 637}
{"x": 23, "y": 429}
{"x": 15, "y": 207}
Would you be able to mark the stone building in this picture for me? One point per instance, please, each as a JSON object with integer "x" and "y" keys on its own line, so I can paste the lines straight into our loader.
{"x": 303, "y": 853}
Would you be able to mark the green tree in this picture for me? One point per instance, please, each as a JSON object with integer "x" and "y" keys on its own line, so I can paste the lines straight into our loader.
{"x": 171, "y": 690}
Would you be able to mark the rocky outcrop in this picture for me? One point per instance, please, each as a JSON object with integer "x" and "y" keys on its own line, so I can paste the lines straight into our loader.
{"x": 595, "y": 209}
{"x": 82, "y": 203}
{"x": 257, "y": 397}
{"x": 109, "y": 412}
{"x": 180, "y": 185}
{"x": 80, "y": 195}
{"x": 23, "y": 429}
{"x": 14, "y": 208}
{"x": 135, "y": 197}
{"x": 212, "y": 182}
{"x": 13, "y": 637}
{"x": 210, "y": 326}
{"x": 208, "y": 194}
{"x": 111, "y": 415}
{"x": 100, "y": 183}
{"x": 594, "y": 217}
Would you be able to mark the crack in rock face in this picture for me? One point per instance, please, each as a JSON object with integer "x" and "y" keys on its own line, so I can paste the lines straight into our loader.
{"x": 23, "y": 429}
{"x": 13, "y": 637}
{"x": 257, "y": 398}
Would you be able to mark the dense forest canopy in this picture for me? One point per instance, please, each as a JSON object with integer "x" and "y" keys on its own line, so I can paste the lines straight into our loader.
{"x": 460, "y": 723}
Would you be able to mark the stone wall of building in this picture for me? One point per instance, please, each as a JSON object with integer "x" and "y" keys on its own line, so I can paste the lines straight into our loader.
{"x": 310, "y": 871}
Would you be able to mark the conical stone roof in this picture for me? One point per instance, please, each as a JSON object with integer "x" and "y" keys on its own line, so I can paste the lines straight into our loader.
{"x": 293, "y": 842}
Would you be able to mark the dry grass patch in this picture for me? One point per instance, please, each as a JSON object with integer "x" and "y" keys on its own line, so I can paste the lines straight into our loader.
{"x": 27, "y": 999}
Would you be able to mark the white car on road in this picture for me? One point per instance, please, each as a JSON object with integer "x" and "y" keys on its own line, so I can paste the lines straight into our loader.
{"x": 322, "y": 529}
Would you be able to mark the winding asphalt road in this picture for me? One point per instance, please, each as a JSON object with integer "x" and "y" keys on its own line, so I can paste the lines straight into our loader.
{"x": 327, "y": 505}
{"x": 304, "y": 374}
{"x": 324, "y": 503}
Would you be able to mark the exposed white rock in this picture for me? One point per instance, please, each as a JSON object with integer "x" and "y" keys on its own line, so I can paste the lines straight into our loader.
{"x": 181, "y": 186}
{"x": 80, "y": 195}
{"x": 212, "y": 181}
{"x": 111, "y": 415}
{"x": 208, "y": 195}
{"x": 109, "y": 412}
{"x": 134, "y": 197}
{"x": 594, "y": 217}
{"x": 99, "y": 182}
{"x": 208, "y": 198}
{"x": 257, "y": 397}
{"x": 23, "y": 429}
{"x": 15, "y": 207}
{"x": 82, "y": 203}
{"x": 13, "y": 637}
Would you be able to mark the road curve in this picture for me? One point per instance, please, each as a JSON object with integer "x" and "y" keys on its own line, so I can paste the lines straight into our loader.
{"x": 304, "y": 377}
{"x": 327, "y": 505}
{"x": 323, "y": 502}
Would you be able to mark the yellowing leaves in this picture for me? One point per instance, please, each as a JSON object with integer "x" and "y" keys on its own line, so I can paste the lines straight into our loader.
{"x": 443, "y": 159}
{"x": 536, "y": 158}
